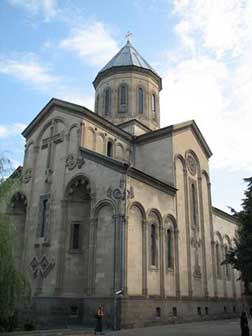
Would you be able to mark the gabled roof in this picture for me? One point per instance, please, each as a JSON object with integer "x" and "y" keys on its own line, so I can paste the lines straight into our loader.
{"x": 225, "y": 215}
{"x": 76, "y": 109}
{"x": 169, "y": 130}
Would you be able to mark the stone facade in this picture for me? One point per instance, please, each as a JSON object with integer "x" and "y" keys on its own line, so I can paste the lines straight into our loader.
{"x": 110, "y": 202}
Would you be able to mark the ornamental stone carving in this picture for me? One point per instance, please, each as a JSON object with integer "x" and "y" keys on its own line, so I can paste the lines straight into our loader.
{"x": 119, "y": 194}
{"x": 41, "y": 266}
{"x": 191, "y": 164}
{"x": 27, "y": 175}
{"x": 72, "y": 161}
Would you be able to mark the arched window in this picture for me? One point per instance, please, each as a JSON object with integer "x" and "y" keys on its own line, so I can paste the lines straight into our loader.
{"x": 218, "y": 268}
{"x": 153, "y": 103}
{"x": 140, "y": 99}
{"x": 44, "y": 217}
{"x": 107, "y": 101}
{"x": 75, "y": 244}
{"x": 153, "y": 245}
{"x": 194, "y": 205}
{"x": 110, "y": 149}
{"x": 123, "y": 98}
{"x": 169, "y": 249}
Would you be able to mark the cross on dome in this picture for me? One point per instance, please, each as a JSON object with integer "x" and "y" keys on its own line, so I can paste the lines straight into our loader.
{"x": 128, "y": 36}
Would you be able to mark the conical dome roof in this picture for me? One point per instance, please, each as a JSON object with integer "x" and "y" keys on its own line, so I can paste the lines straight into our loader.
{"x": 127, "y": 57}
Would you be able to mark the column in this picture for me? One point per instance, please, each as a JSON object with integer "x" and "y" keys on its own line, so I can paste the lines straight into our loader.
{"x": 144, "y": 258}
{"x": 161, "y": 240}
{"x": 212, "y": 240}
{"x": 224, "y": 271}
{"x": 176, "y": 249}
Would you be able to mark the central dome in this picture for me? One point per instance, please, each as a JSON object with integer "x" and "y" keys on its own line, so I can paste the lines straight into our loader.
{"x": 127, "y": 89}
{"x": 127, "y": 57}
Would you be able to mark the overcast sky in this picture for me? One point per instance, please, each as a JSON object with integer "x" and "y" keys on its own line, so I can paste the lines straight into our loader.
{"x": 201, "y": 48}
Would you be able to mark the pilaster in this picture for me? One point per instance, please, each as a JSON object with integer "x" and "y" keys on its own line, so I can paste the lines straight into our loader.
{"x": 202, "y": 224}
{"x": 188, "y": 239}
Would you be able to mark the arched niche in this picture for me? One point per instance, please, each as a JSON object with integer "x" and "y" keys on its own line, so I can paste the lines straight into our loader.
{"x": 119, "y": 151}
{"x": 170, "y": 242}
{"x": 154, "y": 227}
{"x": 17, "y": 212}
{"x": 218, "y": 254}
{"x": 104, "y": 255}
{"x": 77, "y": 216}
{"x": 100, "y": 143}
{"x": 135, "y": 249}
{"x": 90, "y": 138}
{"x": 73, "y": 138}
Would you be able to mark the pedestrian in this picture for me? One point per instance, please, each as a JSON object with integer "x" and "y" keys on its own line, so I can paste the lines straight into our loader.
{"x": 244, "y": 324}
{"x": 99, "y": 317}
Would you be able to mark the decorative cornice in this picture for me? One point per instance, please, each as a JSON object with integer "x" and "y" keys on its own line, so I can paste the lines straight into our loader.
{"x": 153, "y": 182}
{"x": 76, "y": 109}
{"x": 130, "y": 171}
{"x": 225, "y": 215}
{"x": 123, "y": 69}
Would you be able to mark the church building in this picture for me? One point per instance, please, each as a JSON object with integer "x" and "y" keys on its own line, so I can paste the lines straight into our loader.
{"x": 115, "y": 210}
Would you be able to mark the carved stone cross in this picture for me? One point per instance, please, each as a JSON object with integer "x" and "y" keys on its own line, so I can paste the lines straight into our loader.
{"x": 49, "y": 143}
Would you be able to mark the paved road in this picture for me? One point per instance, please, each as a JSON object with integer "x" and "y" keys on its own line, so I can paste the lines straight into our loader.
{"x": 209, "y": 328}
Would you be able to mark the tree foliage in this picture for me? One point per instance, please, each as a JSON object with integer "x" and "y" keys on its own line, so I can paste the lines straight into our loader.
{"x": 14, "y": 288}
{"x": 240, "y": 256}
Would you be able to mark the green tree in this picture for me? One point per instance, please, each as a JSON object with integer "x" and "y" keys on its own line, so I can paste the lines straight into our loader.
{"x": 13, "y": 287}
{"x": 240, "y": 256}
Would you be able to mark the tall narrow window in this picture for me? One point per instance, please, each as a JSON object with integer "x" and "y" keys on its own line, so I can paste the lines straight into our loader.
{"x": 218, "y": 269}
{"x": 107, "y": 101}
{"x": 153, "y": 103}
{"x": 44, "y": 217}
{"x": 122, "y": 94}
{"x": 123, "y": 98}
{"x": 76, "y": 236}
{"x": 227, "y": 265}
{"x": 140, "y": 100}
{"x": 97, "y": 104}
{"x": 153, "y": 245}
{"x": 169, "y": 249}
{"x": 109, "y": 149}
{"x": 194, "y": 205}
